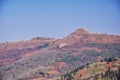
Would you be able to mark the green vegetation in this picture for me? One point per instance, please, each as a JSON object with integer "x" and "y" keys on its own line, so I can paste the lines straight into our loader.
{"x": 96, "y": 71}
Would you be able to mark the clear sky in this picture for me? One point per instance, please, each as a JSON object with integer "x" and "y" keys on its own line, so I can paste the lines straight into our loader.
{"x": 25, "y": 19}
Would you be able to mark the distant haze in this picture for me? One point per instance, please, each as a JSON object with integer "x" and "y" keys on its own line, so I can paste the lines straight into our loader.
{"x": 25, "y": 19}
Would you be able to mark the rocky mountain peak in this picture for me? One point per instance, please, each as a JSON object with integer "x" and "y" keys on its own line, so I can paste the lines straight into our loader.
{"x": 78, "y": 33}
{"x": 81, "y": 31}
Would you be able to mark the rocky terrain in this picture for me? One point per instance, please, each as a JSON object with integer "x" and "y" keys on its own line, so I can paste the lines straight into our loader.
{"x": 48, "y": 58}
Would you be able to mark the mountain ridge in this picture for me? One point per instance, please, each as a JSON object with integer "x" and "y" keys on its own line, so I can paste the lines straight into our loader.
{"x": 55, "y": 57}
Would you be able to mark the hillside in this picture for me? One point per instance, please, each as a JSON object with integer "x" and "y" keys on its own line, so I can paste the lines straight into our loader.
{"x": 108, "y": 69}
{"x": 50, "y": 58}
{"x": 13, "y": 51}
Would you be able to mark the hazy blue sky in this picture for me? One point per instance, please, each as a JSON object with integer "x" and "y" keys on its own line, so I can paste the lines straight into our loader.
{"x": 25, "y": 19}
